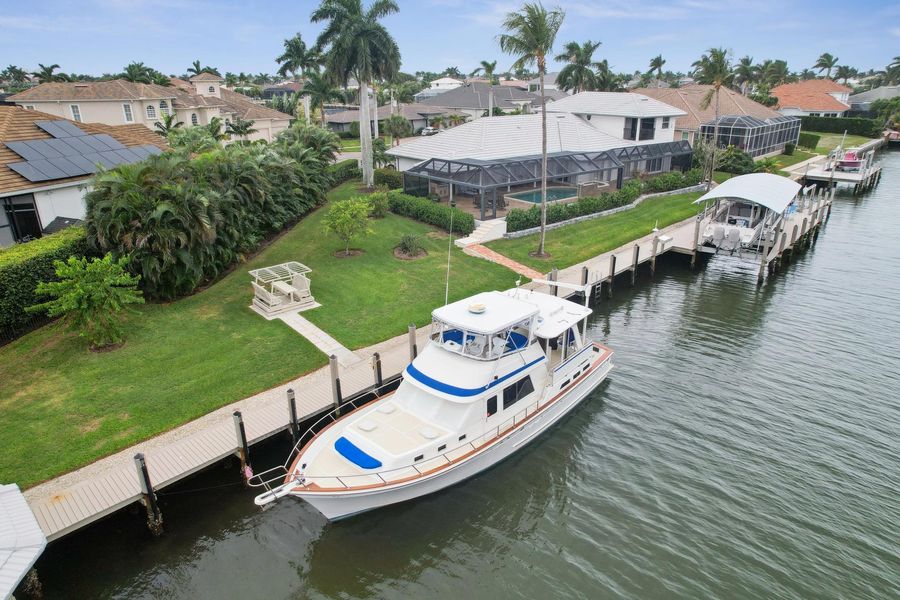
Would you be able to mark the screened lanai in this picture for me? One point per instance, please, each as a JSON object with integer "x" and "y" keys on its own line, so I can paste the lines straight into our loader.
{"x": 752, "y": 135}
{"x": 486, "y": 181}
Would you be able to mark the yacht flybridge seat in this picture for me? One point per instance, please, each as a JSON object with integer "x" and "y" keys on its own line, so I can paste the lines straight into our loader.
{"x": 500, "y": 366}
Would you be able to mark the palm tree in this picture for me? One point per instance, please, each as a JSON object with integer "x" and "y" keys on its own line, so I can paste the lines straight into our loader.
{"x": 319, "y": 90}
{"x": 713, "y": 69}
{"x": 530, "y": 36}
{"x": 297, "y": 58}
{"x": 196, "y": 69}
{"x": 230, "y": 79}
{"x": 397, "y": 127}
{"x": 826, "y": 62}
{"x": 437, "y": 121}
{"x": 214, "y": 127}
{"x": 578, "y": 74}
{"x": 488, "y": 69}
{"x": 45, "y": 74}
{"x": 240, "y": 128}
{"x": 137, "y": 72}
{"x": 745, "y": 74}
{"x": 168, "y": 124}
{"x": 806, "y": 74}
{"x": 607, "y": 81}
{"x": 892, "y": 72}
{"x": 656, "y": 64}
{"x": 357, "y": 44}
{"x": 844, "y": 73}
{"x": 775, "y": 72}
{"x": 14, "y": 75}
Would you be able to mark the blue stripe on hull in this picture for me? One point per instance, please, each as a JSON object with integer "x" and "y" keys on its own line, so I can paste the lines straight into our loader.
{"x": 453, "y": 390}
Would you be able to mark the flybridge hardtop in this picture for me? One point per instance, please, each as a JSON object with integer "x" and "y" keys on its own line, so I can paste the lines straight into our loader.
{"x": 499, "y": 365}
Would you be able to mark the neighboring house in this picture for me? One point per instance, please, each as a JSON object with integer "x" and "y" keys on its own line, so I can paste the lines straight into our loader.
{"x": 118, "y": 102}
{"x": 635, "y": 82}
{"x": 418, "y": 115}
{"x": 623, "y": 115}
{"x": 534, "y": 85}
{"x": 282, "y": 89}
{"x": 472, "y": 99}
{"x": 516, "y": 83}
{"x": 862, "y": 102}
{"x": 438, "y": 86}
{"x": 813, "y": 98}
{"x": 46, "y": 163}
{"x": 689, "y": 99}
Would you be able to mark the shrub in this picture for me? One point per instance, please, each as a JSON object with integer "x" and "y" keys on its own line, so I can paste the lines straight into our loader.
{"x": 345, "y": 135}
{"x": 391, "y": 178}
{"x": 346, "y": 170}
{"x": 855, "y": 126}
{"x": 734, "y": 160}
{"x": 426, "y": 211}
{"x": 301, "y": 137}
{"x": 24, "y": 266}
{"x": 91, "y": 296}
{"x": 789, "y": 149}
{"x": 378, "y": 204}
{"x": 354, "y": 129}
{"x": 348, "y": 219}
{"x": 411, "y": 245}
{"x": 809, "y": 140}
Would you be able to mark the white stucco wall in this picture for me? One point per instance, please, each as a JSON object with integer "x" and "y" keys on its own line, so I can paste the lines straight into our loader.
{"x": 615, "y": 126}
{"x": 61, "y": 202}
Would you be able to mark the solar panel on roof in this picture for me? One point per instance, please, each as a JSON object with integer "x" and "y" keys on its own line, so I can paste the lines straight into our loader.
{"x": 45, "y": 167}
{"x": 109, "y": 140}
{"x": 27, "y": 171}
{"x": 113, "y": 157}
{"x": 67, "y": 167}
{"x": 77, "y": 146}
{"x": 97, "y": 158}
{"x": 43, "y": 148}
{"x": 23, "y": 150}
{"x": 127, "y": 155}
{"x": 52, "y": 128}
{"x": 95, "y": 144}
{"x": 81, "y": 161}
{"x": 59, "y": 145}
{"x": 141, "y": 151}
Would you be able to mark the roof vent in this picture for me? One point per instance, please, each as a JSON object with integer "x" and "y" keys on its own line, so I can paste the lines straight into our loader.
{"x": 81, "y": 85}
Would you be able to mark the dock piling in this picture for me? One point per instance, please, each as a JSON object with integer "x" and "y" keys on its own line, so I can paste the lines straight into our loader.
{"x": 292, "y": 411}
{"x": 554, "y": 274}
{"x": 696, "y": 243}
{"x": 376, "y": 366}
{"x": 653, "y": 255}
{"x": 243, "y": 447}
{"x": 634, "y": 263}
{"x": 413, "y": 350}
{"x": 335, "y": 382}
{"x": 612, "y": 275}
{"x": 154, "y": 515}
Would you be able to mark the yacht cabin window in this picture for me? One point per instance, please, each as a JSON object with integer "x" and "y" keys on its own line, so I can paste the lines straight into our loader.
{"x": 492, "y": 406}
{"x": 517, "y": 391}
{"x": 480, "y": 345}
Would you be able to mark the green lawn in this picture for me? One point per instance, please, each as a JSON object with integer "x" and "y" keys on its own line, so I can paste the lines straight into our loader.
{"x": 352, "y": 144}
{"x": 829, "y": 141}
{"x": 575, "y": 243}
{"x": 798, "y": 156}
{"x": 64, "y": 407}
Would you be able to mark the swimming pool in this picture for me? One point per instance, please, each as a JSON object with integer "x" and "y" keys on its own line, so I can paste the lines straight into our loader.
{"x": 553, "y": 193}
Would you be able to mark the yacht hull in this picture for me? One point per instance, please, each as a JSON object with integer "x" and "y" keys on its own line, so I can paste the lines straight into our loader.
{"x": 339, "y": 504}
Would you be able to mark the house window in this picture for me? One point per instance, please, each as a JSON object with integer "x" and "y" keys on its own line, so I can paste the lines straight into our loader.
{"x": 517, "y": 391}
{"x": 630, "y": 129}
{"x": 654, "y": 165}
{"x": 815, "y": 115}
{"x": 29, "y": 107}
{"x": 492, "y": 406}
{"x": 151, "y": 111}
{"x": 129, "y": 116}
{"x": 163, "y": 107}
{"x": 76, "y": 112}
{"x": 685, "y": 136}
{"x": 19, "y": 220}
{"x": 194, "y": 120}
{"x": 648, "y": 129}
{"x": 665, "y": 123}
{"x": 212, "y": 90}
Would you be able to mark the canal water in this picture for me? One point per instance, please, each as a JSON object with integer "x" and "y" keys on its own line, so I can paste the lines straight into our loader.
{"x": 746, "y": 446}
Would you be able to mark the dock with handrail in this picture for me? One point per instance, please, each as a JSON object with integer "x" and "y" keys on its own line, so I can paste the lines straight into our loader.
{"x": 69, "y": 502}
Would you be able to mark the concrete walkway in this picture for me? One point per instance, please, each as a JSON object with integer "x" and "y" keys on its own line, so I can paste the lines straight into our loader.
{"x": 320, "y": 339}
{"x": 486, "y": 253}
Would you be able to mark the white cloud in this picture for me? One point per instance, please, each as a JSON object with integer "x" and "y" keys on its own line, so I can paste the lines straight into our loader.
{"x": 894, "y": 31}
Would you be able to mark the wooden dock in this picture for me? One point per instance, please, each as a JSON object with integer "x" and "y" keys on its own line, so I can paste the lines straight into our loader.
{"x": 76, "y": 499}
{"x": 823, "y": 170}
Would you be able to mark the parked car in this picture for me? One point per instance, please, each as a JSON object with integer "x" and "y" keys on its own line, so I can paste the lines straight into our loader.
{"x": 430, "y": 130}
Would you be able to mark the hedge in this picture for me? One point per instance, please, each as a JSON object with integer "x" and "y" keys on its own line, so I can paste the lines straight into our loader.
{"x": 518, "y": 219}
{"x": 344, "y": 171}
{"x": 856, "y": 126}
{"x": 808, "y": 140}
{"x": 392, "y": 178}
{"x": 428, "y": 211}
{"x": 23, "y": 266}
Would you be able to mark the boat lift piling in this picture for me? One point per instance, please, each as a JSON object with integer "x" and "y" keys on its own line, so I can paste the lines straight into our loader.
{"x": 292, "y": 410}
{"x": 413, "y": 348}
{"x": 335, "y": 382}
{"x": 243, "y": 449}
{"x": 148, "y": 496}
{"x": 634, "y": 263}
{"x": 376, "y": 366}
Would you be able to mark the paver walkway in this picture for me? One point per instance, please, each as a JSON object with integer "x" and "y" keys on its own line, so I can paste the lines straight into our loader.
{"x": 495, "y": 257}
{"x": 320, "y": 339}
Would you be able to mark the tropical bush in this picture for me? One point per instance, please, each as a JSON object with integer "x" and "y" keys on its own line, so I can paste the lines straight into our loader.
{"x": 182, "y": 221}
{"x": 769, "y": 164}
{"x": 855, "y": 126}
{"x": 734, "y": 160}
{"x": 354, "y": 129}
{"x": 300, "y": 137}
{"x": 808, "y": 140}
{"x": 192, "y": 140}
{"x": 91, "y": 296}
{"x": 348, "y": 219}
{"x": 379, "y": 204}
{"x": 397, "y": 126}
{"x": 24, "y": 266}
{"x": 345, "y": 170}
{"x": 518, "y": 219}
{"x": 789, "y": 149}
{"x": 392, "y": 178}
{"x": 410, "y": 245}
{"x": 427, "y": 211}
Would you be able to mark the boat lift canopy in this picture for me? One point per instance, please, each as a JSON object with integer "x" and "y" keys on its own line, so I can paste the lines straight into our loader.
{"x": 771, "y": 191}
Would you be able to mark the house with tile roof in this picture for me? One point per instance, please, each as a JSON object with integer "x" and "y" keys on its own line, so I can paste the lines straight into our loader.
{"x": 472, "y": 99}
{"x": 46, "y": 163}
{"x": 120, "y": 102}
{"x": 418, "y": 115}
{"x": 690, "y": 98}
{"x": 812, "y": 98}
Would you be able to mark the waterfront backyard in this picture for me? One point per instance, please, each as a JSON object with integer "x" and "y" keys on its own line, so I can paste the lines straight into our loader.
{"x": 65, "y": 406}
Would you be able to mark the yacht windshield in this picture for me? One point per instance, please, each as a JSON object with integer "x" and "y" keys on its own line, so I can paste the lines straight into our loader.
{"x": 479, "y": 345}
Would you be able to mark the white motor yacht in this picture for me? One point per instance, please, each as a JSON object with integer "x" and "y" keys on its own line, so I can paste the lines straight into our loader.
{"x": 500, "y": 369}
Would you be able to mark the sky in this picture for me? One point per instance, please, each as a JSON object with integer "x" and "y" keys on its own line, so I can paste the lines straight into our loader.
{"x": 97, "y": 36}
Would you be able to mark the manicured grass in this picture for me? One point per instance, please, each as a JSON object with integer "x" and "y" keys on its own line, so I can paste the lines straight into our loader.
{"x": 798, "y": 156}
{"x": 352, "y": 144}
{"x": 64, "y": 406}
{"x": 829, "y": 141}
{"x": 575, "y": 243}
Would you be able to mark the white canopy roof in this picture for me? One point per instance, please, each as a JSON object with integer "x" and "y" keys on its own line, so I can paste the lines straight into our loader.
{"x": 21, "y": 538}
{"x": 556, "y": 314}
{"x": 500, "y": 312}
{"x": 772, "y": 191}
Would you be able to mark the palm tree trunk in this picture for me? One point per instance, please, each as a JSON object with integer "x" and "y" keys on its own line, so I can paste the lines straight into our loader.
{"x": 307, "y": 108}
{"x": 490, "y": 98}
{"x": 540, "y": 251}
{"x": 365, "y": 136}
{"x": 375, "y": 110}
{"x": 712, "y": 161}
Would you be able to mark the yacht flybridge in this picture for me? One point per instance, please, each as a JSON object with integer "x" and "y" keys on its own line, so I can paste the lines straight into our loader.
{"x": 500, "y": 368}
